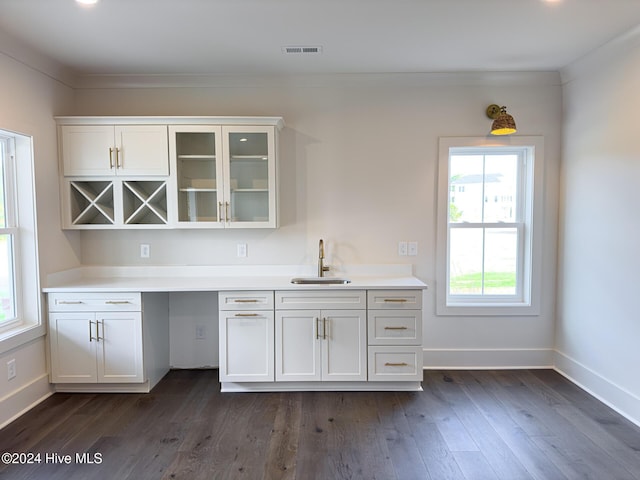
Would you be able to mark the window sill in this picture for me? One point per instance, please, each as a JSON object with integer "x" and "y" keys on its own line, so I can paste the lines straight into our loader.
{"x": 488, "y": 309}
{"x": 20, "y": 335}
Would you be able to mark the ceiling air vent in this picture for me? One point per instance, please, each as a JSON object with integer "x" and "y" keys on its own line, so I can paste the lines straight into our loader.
{"x": 302, "y": 49}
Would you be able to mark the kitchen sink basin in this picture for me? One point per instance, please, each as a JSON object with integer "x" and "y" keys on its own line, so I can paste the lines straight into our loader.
{"x": 320, "y": 281}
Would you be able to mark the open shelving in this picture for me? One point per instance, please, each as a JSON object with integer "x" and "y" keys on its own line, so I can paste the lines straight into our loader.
{"x": 92, "y": 203}
{"x": 144, "y": 202}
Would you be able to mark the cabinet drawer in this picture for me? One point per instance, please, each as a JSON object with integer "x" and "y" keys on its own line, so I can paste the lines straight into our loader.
{"x": 95, "y": 302}
{"x": 329, "y": 299}
{"x": 393, "y": 327}
{"x": 392, "y": 364}
{"x": 394, "y": 299}
{"x": 249, "y": 300}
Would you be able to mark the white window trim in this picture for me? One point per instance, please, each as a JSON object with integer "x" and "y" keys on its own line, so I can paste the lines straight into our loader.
{"x": 530, "y": 302}
{"x": 28, "y": 325}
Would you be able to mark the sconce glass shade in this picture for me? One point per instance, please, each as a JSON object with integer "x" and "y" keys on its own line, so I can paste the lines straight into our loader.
{"x": 504, "y": 124}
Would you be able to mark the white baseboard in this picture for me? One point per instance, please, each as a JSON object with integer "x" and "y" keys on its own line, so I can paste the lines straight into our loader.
{"x": 487, "y": 359}
{"x": 24, "y": 399}
{"x": 619, "y": 399}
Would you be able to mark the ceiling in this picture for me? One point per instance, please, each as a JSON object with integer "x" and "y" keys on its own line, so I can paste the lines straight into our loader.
{"x": 157, "y": 37}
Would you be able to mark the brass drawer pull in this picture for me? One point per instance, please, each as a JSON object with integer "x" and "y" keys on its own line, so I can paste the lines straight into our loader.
{"x": 402, "y": 364}
{"x": 246, "y": 300}
{"x": 69, "y": 302}
{"x": 395, "y": 328}
{"x": 117, "y": 302}
{"x": 395, "y": 300}
{"x": 247, "y": 315}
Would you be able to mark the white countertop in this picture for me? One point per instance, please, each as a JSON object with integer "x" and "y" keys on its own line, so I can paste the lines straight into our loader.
{"x": 225, "y": 278}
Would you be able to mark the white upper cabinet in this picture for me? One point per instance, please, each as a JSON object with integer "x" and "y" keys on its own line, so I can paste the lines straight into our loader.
{"x": 225, "y": 176}
{"x": 107, "y": 150}
{"x": 168, "y": 172}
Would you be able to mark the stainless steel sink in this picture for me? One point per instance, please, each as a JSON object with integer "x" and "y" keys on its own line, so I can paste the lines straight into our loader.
{"x": 320, "y": 281}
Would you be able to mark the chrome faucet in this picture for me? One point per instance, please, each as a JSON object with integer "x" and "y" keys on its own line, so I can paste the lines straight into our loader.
{"x": 321, "y": 266}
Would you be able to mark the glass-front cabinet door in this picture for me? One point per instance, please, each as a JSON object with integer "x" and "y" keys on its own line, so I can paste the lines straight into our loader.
{"x": 249, "y": 155}
{"x": 224, "y": 176}
{"x": 196, "y": 153}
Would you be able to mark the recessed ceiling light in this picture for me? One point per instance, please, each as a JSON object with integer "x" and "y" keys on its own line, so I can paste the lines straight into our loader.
{"x": 243, "y": 139}
{"x": 87, "y": 2}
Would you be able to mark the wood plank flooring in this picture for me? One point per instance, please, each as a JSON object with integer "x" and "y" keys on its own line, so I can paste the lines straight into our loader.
{"x": 467, "y": 425}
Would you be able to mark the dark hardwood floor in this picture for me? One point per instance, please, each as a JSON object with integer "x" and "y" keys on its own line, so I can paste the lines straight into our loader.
{"x": 518, "y": 424}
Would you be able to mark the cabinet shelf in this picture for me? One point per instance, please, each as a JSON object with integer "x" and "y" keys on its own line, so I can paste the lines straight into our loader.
{"x": 249, "y": 157}
{"x": 196, "y": 157}
{"x": 194, "y": 189}
{"x": 250, "y": 190}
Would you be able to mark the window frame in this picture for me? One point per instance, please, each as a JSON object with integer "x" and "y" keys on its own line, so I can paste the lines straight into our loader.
{"x": 11, "y": 227}
{"x": 529, "y": 261}
{"x": 28, "y": 324}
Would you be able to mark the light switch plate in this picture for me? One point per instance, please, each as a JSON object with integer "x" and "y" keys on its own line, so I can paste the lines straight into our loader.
{"x": 413, "y": 249}
{"x": 402, "y": 248}
{"x": 242, "y": 250}
{"x": 145, "y": 250}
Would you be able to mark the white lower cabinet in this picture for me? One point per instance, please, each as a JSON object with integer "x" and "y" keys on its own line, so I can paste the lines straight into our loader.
{"x": 97, "y": 341}
{"x": 337, "y": 339}
{"x": 102, "y": 347}
{"x": 246, "y": 337}
{"x": 394, "y": 320}
{"x": 321, "y": 345}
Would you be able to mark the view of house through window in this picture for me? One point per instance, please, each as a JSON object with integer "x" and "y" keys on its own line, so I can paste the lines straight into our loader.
{"x": 486, "y": 222}
{"x": 7, "y": 235}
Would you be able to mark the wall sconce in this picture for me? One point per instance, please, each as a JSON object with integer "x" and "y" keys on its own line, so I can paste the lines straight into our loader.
{"x": 503, "y": 123}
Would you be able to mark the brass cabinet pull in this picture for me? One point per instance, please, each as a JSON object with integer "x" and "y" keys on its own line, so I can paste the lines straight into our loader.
{"x": 110, "y": 158}
{"x": 324, "y": 328}
{"x": 401, "y": 364}
{"x": 69, "y": 302}
{"x": 396, "y": 300}
{"x": 395, "y": 328}
{"x": 220, "y": 219}
{"x": 317, "y": 328}
{"x": 247, "y": 315}
{"x": 246, "y": 300}
{"x": 118, "y": 158}
{"x": 226, "y": 207}
{"x": 117, "y": 302}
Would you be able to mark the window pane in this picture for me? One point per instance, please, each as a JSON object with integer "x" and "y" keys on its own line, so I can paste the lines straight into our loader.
{"x": 465, "y": 261}
{"x": 7, "y": 298}
{"x": 500, "y": 189}
{"x": 466, "y": 188}
{"x": 500, "y": 251}
{"x": 3, "y": 210}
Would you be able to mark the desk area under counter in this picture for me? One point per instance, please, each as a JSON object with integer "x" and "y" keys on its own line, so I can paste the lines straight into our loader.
{"x": 272, "y": 334}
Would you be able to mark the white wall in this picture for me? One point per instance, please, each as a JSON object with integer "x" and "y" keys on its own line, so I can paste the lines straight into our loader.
{"x": 358, "y": 168}
{"x": 598, "y": 326}
{"x": 28, "y": 100}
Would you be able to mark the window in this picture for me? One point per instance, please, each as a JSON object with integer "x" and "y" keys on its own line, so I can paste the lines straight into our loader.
{"x": 8, "y": 234}
{"x": 20, "y": 298}
{"x": 488, "y": 237}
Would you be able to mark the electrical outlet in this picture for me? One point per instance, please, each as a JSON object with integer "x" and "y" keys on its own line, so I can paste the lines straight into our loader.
{"x": 402, "y": 248}
{"x": 242, "y": 250}
{"x": 11, "y": 369}
{"x": 413, "y": 249}
{"x": 145, "y": 250}
{"x": 201, "y": 332}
